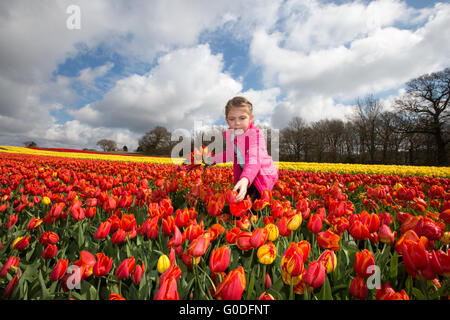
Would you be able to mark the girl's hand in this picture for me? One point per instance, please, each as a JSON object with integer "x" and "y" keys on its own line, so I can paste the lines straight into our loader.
{"x": 242, "y": 186}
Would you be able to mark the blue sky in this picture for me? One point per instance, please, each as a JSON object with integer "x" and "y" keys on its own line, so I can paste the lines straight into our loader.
{"x": 139, "y": 64}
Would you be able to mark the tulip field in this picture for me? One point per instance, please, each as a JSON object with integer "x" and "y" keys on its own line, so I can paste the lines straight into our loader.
{"x": 89, "y": 226}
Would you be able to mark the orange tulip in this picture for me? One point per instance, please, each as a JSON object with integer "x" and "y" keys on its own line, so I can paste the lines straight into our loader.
{"x": 363, "y": 260}
{"x": 102, "y": 265}
{"x": 231, "y": 236}
{"x": 237, "y": 209}
{"x": 387, "y": 293}
{"x": 328, "y": 240}
{"x": 199, "y": 245}
{"x": 232, "y": 286}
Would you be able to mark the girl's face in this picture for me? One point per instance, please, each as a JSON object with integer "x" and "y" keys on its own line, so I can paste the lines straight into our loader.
{"x": 239, "y": 120}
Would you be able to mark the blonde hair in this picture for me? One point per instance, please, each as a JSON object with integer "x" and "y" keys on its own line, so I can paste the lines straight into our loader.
{"x": 238, "y": 102}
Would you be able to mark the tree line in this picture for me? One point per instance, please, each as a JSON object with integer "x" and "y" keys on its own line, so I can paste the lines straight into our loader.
{"x": 414, "y": 130}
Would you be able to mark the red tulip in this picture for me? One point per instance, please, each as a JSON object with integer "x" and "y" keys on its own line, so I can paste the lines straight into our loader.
{"x": 181, "y": 217}
{"x": 86, "y": 263}
{"x": 359, "y": 231}
{"x": 102, "y": 265}
{"x": 59, "y": 270}
{"x": 415, "y": 256}
{"x": 50, "y": 251}
{"x": 243, "y": 240}
{"x": 358, "y": 288}
{"x": 315, "y": 223}
{"x": 11, "y": 286}
{"x": 118, "y": 236}
{"x": 371, "y": 221}
{"x": 136, "y": 276}
{"x": 266, "y": 296}
{"x": 34, "y": 223}
{"x": 176, "y": 240}
{"x": 21, "y": 243}
{"x": 48, "y": 237}
{"x": 11, "y": 262}
{"x": 386, "y": 235}
{"x": 125, "y": 268}
{"x": 314, "y": 276}
{"x": 232, "y": 286}
{"x": 11, "y": 221}
{"x": 168, "y": 226}
{"x": 192, "y": 231}
{"x": 167, "y": 290}
{"x": 103, "y": 230}
{"x": 219, "y": 259}
{"x": 259, "y": 237}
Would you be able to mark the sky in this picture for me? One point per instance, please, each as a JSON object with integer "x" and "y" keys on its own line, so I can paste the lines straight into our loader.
{"x": 75, "y": 72}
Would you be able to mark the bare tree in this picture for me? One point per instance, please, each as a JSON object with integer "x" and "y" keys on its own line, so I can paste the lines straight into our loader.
{"x": 425, "y": 104}
{"x": 107, "y": 145}
{"x": 30, "y": 144}
{"x": 156, "y": 141}
{"x": 367, "y": 116}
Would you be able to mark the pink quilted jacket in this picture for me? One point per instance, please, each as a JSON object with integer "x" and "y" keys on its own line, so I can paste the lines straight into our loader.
{"x": 259, "y": 168}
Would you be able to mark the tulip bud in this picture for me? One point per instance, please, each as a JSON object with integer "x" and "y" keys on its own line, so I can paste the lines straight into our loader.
{"x": 163, "y": 264}
{"x": 329, "y": 260}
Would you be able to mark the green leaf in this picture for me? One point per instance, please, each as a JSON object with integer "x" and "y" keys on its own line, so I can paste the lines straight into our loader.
{"x": 325, "y": 292}
{"x": 80, "y": 236}
{"x": 250, "y": 286}
{"x": 418, "y": 294}
{"x": 393, "y": 266}
{"x": 45, "y": 294}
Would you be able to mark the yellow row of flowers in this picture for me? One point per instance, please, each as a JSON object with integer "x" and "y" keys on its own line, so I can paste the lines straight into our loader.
{"x": 297, "y": 166}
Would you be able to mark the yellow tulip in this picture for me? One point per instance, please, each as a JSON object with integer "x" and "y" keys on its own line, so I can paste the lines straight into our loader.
{"x": 163, "y": 264}
{"x": 273, "y": 231}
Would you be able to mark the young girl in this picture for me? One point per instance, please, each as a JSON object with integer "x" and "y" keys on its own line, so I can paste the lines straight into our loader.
{"x": 253, "y": 168}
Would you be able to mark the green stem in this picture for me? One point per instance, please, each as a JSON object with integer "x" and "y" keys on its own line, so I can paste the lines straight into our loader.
{"x": 291, "y": 289}
{"x": 98, "y": 288}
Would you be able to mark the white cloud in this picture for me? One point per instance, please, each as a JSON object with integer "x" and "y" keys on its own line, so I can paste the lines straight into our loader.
{"x": 186, "y": 85}
{"x": 312, "y": 54}
{"x": 318, "y": 57}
